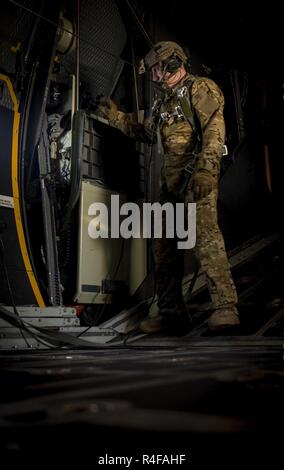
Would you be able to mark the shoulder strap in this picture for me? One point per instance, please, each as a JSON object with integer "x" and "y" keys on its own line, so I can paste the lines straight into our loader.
{"x": 184, "y": 97}
{"x": 185, "y": 103}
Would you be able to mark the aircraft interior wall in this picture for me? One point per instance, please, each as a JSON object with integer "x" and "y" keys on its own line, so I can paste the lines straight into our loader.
{"x": 76, "y": 370}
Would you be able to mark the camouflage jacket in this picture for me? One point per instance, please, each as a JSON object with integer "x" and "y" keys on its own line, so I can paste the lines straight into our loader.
{"x": 177, "y": 134}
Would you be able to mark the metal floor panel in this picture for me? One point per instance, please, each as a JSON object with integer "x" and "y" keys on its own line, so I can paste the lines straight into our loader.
{"x": 203, "y": 395}
{"x": 199, "y": 390}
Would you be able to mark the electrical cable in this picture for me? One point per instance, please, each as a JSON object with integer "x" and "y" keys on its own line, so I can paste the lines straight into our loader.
{"x": 235, "y": 102}
{"x": 83, "y": 332}
{"x": 245, "y": 90}
{"x": 139, "y": 24}
{"x": 60, "y": 339}
{"x": 22, "y": 325}
{"x": 4, "y": 265}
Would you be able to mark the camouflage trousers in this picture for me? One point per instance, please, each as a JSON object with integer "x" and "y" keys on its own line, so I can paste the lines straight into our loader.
{"x": 211, "y": 253}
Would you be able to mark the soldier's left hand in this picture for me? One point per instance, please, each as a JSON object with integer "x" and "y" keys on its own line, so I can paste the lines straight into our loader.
{"x": 150, "y": 130}
{"x": 202, "y": 185}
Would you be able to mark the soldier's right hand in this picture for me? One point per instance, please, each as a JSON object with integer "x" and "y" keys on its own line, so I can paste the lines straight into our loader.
{"x": 107, "y": 107}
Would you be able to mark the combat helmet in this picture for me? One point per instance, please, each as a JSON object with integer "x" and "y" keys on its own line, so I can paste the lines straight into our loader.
{"x": 164, "y": 52}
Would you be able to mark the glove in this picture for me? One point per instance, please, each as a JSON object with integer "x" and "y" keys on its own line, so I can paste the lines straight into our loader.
{"x": 150, "y": 130}
{"x": 202, "y": 184}
{"x": 107, "y": 107}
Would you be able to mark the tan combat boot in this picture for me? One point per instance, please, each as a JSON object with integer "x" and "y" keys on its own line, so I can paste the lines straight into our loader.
{"x": 224, "y": 318}
{"x": 174, "y": 324}
{"x": 152, "y": 324}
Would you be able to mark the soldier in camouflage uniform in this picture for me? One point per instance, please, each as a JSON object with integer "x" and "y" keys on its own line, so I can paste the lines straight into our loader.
{"x": 167, "y": 62}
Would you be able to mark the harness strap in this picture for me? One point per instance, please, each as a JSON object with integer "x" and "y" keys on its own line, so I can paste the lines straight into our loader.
{"x": 183, "y": 95}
